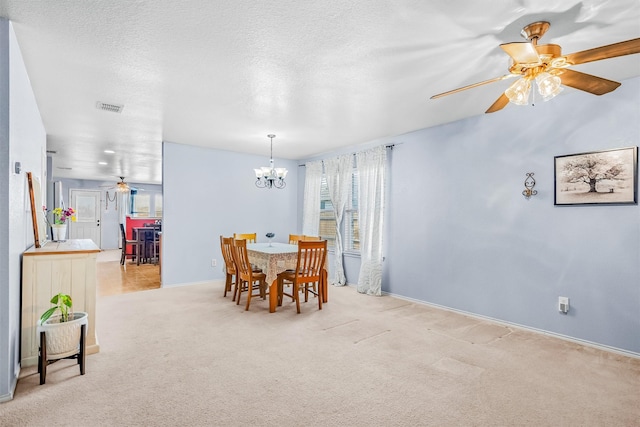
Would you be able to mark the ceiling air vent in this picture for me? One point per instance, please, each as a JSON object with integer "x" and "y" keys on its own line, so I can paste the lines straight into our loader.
{"x": 109, "y": 107}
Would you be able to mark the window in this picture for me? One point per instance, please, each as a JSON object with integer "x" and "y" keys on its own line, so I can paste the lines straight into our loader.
{"x": 350, "y": 231}
{"x": 140, "y": 204}
{"x": 327, "y": 218}
{"x": 145, "y": 204}
{"x": 157, "y": 201}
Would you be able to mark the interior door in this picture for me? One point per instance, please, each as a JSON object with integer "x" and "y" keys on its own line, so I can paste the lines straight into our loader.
{"x": 87, "y": 224}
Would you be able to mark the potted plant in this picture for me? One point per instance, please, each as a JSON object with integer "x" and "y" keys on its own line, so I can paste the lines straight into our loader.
{"x": 63, "y": 335}
{"x": 59, "y": 224}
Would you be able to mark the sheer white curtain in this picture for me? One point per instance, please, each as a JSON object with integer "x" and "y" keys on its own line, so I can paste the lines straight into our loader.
{"x": 311, "y": 203}
{"x": 338, "y": 172}
{"x": 371, "y": 186}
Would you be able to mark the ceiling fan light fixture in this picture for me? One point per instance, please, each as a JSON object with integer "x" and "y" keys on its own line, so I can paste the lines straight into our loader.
{"x": 518, "y": 92}
{"x": 123, "y": 187}
{"x": 548, "y": 85}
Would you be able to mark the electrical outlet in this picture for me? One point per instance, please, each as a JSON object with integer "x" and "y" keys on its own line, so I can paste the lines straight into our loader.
{"x": 563, "y": 305}
{"x": 214, "y": 262}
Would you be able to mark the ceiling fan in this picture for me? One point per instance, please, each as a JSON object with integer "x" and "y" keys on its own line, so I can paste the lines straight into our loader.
{"x": 549, "y": 69}
{"x": 122, "y": 186}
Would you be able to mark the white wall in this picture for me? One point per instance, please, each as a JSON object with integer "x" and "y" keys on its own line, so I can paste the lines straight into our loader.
{"x": 208, "y": 193}
{"x": 22, "y": 139}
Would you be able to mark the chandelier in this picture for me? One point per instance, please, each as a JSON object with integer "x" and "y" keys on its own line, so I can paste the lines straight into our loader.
{"x": 269, "y": 176}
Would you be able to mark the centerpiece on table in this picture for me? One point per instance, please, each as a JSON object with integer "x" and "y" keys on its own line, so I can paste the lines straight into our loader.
{"x": 61, "y": 217}
{"x": 270, "y": 236}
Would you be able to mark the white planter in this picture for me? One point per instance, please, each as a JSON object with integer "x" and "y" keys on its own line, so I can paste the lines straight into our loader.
{"x": 63, "y": 339}
{"x": 59, "y": 232}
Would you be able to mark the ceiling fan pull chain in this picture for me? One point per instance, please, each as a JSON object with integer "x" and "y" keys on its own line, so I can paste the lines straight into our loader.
{"x": 533, "y": 97}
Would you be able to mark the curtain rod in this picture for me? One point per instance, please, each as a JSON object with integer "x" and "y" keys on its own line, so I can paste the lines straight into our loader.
{"x": 389, "y": 146}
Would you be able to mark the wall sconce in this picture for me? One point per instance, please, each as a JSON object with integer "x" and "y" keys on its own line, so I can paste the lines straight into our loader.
{"x": 529, "y": 183}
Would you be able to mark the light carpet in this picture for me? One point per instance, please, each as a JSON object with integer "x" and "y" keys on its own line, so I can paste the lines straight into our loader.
{"x": 188, "y": 356}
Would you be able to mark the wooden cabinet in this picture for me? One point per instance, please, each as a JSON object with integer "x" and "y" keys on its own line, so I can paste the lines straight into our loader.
{"x": 68, "y": 267}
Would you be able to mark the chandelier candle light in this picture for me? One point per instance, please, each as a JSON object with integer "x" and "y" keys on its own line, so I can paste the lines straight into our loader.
{"x": 270, "y": 176}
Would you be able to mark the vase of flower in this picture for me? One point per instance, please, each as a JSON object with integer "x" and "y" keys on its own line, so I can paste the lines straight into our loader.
{"x": 59, "y": 232}
{"x": 61, "y": 216}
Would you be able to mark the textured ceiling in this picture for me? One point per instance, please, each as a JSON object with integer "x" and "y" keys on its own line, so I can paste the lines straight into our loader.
{"x": 320, "y": 74}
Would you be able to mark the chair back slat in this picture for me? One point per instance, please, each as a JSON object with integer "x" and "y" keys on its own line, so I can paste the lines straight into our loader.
{"x": 226, "y": 244}
{"x": 250, "y": 237}
{"x": 295, "y": 238}
{"x": 241, "y": 259}
{"x": 311, "y": 259}
{"x": 123, "y": 234}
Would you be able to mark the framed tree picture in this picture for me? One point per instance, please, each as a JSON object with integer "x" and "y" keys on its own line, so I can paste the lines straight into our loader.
{"x": 597, "y": 178}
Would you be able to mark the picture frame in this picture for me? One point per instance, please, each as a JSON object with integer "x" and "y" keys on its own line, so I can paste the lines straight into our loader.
{"x": 38, "y": 219}
{"x": 608, "y": 177}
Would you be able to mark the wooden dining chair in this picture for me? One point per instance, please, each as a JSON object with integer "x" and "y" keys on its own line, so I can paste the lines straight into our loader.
{"x": 247, "y": 279}
{"x": 249, "y": 237}
{"x": 309, "y": 267}
{"x": 294, "y": 238}
{"x": 126, "y": 244}
{"x": 226, "y": 245}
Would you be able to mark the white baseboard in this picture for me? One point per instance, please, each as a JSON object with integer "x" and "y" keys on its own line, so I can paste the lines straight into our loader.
{"x": 206, "y": 282}
{"x": 523, "y": 327}
{"x": 14, "y": 383}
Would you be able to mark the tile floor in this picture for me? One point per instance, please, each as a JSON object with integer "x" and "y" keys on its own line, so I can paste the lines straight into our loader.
{"x": 113, "y": 279}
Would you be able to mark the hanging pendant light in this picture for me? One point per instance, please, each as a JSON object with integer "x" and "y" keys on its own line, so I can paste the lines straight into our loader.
{"x": 270, "y": 176}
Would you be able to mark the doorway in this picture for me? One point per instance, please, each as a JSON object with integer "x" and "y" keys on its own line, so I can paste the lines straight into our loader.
{"x": 87, "y": 224}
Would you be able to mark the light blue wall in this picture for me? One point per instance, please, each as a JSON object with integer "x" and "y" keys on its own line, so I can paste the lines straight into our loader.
{"x": 22, "y": 139}
{"x": 461, "y": 235}
{"x": 485, "y": 249}
{"x": 208, "y": 193}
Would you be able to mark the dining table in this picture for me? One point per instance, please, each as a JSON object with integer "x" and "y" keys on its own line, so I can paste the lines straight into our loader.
{"x": 273, "y": 258}
{"x": 146, "y": 238}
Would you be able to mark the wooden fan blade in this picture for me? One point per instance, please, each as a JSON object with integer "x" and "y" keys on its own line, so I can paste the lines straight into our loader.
{"x": 586, "y": 82}
{"x": 603, "y": 52}
{"x": 499, "y": 104}
{"x": 521, "y": 52}
{"x": 460, "y": 89}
